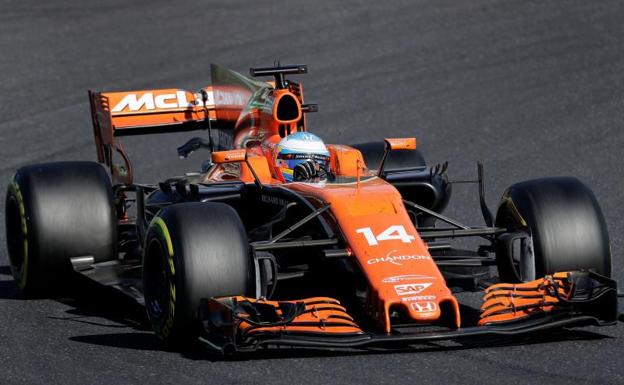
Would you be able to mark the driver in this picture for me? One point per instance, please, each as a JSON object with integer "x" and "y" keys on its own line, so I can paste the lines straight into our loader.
{"x": 302, "y": 157}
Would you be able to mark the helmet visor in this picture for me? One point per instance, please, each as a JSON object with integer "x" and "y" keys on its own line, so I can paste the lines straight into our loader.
{"x": 287, "y": 163}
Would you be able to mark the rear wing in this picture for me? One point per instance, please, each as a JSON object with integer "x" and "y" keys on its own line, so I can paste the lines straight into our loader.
{"x": 116, "y": 114}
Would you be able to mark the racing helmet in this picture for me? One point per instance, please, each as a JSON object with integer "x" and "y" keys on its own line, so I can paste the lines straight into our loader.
{"x": 299, "y": 148}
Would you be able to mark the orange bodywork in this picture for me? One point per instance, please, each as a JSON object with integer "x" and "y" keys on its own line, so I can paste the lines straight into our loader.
{"x": 231, "y": 156}
{"x": 386, "y": 245}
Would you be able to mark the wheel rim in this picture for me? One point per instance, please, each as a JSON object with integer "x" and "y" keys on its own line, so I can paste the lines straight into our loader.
{"x": 16, "y": 241}
{"x": 156, "y": 284}
{"x": 507, "y": 220}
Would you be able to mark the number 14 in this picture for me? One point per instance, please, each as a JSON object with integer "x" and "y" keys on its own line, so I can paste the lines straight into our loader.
{"x": 396, "y": 232}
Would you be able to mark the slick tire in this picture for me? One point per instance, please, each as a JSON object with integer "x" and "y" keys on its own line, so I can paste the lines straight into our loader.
{"x": 192, "y": 251}
{"x": 397, "y": 160}
{"x": 56, "y": 211}
{"x": 565, "y": 222}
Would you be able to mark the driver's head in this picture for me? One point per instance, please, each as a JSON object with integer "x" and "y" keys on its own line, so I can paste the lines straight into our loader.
{"x": 302, "y": 157}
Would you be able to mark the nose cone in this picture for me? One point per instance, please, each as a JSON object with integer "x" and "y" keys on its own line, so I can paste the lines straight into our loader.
{"x": 423, "y": 299}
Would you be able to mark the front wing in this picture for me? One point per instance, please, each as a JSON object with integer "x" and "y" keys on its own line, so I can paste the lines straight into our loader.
{"x": 238, "y": 324}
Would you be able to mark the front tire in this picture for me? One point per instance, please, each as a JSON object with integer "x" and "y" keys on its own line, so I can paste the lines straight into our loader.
{"x": 192, "y": 251}
{"x": 565, "y": 224}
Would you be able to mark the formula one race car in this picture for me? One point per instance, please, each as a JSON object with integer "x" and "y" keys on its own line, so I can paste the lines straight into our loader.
{"x": 282, "y": 240}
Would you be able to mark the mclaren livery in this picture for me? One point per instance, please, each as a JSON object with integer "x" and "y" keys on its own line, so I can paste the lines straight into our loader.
{"x": 282, "y": 240}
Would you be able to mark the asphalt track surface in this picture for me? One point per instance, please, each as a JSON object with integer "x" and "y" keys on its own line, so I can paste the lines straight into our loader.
{"x": 532, "y": 88}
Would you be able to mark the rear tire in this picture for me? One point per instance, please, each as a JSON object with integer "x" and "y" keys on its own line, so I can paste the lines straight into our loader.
{"x": 565, "y": 222}
{"x": 56, "y": 211}
{"x": 192, "y": 251}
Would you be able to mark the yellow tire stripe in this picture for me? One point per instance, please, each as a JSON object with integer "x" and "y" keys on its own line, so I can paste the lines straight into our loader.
{"x": 161, "y": 227}
{"x": 506, "y": 200}
{"x": 164, "y": 231}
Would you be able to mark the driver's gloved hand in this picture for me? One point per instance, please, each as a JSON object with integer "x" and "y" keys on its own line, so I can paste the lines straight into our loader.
{"x": 309, "y": 170}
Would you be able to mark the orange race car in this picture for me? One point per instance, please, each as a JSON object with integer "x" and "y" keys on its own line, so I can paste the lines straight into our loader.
{"x": 283, "y": 240}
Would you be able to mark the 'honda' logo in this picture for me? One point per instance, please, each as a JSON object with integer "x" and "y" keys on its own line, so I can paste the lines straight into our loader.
{"x": 424, "y": 306}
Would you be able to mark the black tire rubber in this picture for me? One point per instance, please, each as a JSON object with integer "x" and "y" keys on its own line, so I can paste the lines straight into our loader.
{"x": 397, "y": 160}
{"x": 192, "y": 251}
{"x": 55, "y": 211}
{"x": 566, "y": 224}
